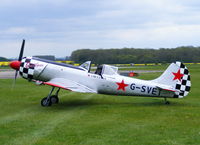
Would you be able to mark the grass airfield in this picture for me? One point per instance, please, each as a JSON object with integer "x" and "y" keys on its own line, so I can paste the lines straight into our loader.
{"x": 95, "y": 119}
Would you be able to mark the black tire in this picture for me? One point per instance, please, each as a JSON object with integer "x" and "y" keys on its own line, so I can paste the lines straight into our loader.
{"x": 46, "y": 102}
{"x": 54, "y": 99}
{"x": 167, "y": 102}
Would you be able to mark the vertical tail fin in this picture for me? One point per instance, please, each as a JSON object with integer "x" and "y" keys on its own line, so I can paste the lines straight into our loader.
{"x": 177, "y": 77}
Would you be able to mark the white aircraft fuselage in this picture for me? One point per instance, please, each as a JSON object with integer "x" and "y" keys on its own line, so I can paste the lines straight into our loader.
{"x": 105, "y": 80}
{"x": 114, "y": 84}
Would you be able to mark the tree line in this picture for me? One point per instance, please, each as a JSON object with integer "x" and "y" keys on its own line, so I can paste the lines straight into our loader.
{"x": 135, "y": 55}
{"x": 3, "y": 59}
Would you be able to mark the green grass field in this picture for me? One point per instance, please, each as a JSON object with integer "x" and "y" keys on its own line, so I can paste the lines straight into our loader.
{"x": 93, "y": 119}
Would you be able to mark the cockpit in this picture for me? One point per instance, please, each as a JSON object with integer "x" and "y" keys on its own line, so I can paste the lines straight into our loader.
{"x": 101, "y": 69}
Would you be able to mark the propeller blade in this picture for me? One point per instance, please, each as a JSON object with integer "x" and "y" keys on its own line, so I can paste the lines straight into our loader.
{"x": 16, "y": 74}
{"x": 21, "y": 51}
{"x": 14, "y": 81}
{"x": 16, "y": 64}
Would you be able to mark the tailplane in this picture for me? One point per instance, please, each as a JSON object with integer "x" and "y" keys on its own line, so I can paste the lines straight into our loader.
{"x": 177, "y": 78}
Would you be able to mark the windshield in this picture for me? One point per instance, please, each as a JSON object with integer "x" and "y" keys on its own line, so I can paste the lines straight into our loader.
{"x": 110, "y": 70}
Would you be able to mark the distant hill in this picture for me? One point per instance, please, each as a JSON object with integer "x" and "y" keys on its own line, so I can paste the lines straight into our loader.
{"x": 135, "y": 55}
{"x": 3, "y": 59}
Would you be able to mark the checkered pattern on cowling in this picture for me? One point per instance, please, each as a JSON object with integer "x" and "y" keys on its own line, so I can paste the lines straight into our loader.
{"x": 26, "y": 69}
{"x": 183, "y": 86}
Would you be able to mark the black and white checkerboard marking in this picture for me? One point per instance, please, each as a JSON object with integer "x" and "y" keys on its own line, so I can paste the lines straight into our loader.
{"x": 183, "y": 86}
{"x": 27, "y": 68}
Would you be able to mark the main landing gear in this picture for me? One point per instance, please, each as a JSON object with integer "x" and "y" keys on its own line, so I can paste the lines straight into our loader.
{"x": 166, "y": 102}
{"x": 50, "y": 99}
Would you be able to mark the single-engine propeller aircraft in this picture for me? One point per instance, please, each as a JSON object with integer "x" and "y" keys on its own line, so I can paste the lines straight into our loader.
{"x": 173, "y": 83}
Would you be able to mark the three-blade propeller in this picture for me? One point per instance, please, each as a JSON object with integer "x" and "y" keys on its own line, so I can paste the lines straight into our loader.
{"x": 16, "y": 64}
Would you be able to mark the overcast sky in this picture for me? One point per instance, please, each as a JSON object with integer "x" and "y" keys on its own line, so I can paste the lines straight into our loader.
{"x": 58, "y": 27}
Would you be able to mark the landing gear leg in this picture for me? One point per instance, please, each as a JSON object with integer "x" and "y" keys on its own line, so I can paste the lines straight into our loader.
{"x": 57, "y": 91}
{"x": 54, "y": 98}
{"x": 45, "y": 102}
{"x": 166, "y": 102}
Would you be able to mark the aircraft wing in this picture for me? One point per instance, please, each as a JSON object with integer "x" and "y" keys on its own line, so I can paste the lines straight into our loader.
{"x": 69, "y": 85}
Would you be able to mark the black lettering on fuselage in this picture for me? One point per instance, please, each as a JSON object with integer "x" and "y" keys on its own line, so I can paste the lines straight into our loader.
{"x": 132, "y": 86}
{"x": 149, "y": 89}
{"x": 143, "y": 89}
{"x": 154, "y": 91}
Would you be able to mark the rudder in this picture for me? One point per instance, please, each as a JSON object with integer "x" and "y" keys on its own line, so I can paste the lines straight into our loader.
{"x": 185, "y": 84}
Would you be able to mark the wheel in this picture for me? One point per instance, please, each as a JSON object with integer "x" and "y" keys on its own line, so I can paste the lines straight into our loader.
{"x": 46, "y": 102}
{"x": 167, "y": 102}
{"x": 54, "y": 99}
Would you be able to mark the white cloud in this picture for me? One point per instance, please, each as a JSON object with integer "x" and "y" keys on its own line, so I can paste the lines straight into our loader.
{"x": 19, "y": 30}
{"x": 166, "y": 36}
{"x": 58, "y": 27}
{"x": 21, "y": 3}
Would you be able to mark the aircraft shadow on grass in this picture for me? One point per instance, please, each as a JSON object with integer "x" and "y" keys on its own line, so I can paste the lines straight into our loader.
{"x": 89, "y": 103}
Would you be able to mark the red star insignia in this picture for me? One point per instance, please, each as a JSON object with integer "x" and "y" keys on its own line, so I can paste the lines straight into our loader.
{"x": 178, "y": 75}
{"x": 121, "y": 86}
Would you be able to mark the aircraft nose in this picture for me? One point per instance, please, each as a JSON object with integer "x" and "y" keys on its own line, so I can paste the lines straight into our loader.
{"x": 15, "y": 65}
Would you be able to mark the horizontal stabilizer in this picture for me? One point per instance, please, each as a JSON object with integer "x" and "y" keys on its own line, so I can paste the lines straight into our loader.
{"x": 167, "y": 89}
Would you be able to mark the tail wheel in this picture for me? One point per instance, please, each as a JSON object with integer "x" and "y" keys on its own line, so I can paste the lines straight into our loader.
{"x": 166, "y": 102}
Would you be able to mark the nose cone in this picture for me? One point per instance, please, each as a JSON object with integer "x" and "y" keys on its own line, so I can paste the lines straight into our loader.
{"x": 15, "y": 65}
